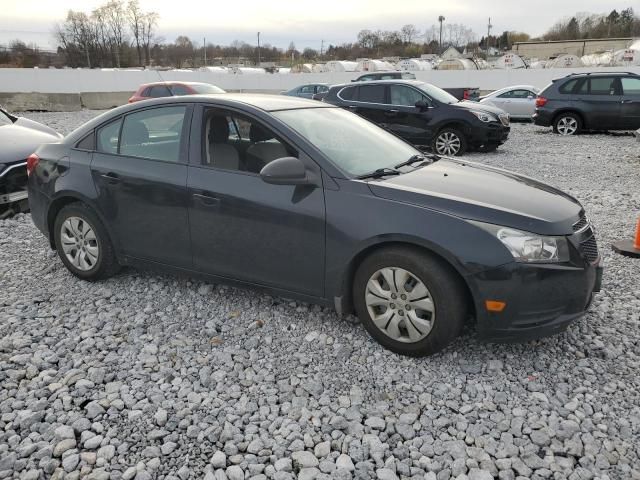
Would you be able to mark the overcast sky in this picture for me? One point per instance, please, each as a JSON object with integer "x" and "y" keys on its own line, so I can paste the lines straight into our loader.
{"x": 303, "y": 22}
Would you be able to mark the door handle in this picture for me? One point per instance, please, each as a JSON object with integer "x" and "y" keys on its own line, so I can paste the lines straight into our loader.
{"x": 207, "y": 200}
{"x": 111, "y": 178}
{"x": 627, "y": 101}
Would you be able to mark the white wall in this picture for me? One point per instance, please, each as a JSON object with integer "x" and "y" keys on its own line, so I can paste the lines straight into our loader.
{"x": 22, "y": 80}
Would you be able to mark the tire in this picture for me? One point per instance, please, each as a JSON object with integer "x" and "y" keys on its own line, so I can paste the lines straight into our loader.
{"x": 567, "y": 124}
{"x": 450, "y": 142}
{"x": 436, "y": 328}
{"x": 72, "y": 227}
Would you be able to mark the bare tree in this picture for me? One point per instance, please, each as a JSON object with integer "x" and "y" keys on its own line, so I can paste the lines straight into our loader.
{"x": 135, "y": 17}
{"x": 149, "y": 23}
{"x": 409, "y": 33}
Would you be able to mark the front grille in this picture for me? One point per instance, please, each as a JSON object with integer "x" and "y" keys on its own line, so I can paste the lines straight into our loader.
{"x": 581, "y": 224}
{"x": 589, "y": 249}
{"x": 504, "y": 119}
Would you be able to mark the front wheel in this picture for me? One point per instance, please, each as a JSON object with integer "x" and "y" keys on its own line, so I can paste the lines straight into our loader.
{"x": 83, "y": 244}
{"x": 409, "y": 301}
{"x": 450, "y": 142}
{"x": 567, "y": 124}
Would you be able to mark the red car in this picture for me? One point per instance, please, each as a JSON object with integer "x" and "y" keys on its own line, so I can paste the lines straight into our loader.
{"x": 172, "y": 89}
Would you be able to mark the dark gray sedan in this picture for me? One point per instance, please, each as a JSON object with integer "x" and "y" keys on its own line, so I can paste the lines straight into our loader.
{"x": 310, "y": 201}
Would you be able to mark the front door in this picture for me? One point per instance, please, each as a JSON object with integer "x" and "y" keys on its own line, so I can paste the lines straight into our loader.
{"x": 630, "y": 103}
{"x": 243, "y": 228}
{"x": 599, "y": 99}
{"x": 139, "y": 170}
{"x": 406, "y": 120}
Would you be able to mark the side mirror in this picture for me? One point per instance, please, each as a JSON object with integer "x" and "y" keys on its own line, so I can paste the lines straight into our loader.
{"x": 285, "y": 171}
{"x": 421, "y": 105}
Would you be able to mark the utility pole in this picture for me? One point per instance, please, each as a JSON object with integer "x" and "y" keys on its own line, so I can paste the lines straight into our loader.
{"x": 321, "y": 48}
{"x": 259, "y": 50}
{"x": 441, "y": 19}
{"x": 489, "y": 27}
{"x": 204, "y": 45}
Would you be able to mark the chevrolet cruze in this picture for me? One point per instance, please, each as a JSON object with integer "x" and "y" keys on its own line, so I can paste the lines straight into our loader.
{"x": 309, "y": 201}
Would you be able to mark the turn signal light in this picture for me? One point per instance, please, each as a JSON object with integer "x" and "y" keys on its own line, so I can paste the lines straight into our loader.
{"x": 32, "y": 163}
{"x": 494, "y": 306}
{"x": 541, "y": 102}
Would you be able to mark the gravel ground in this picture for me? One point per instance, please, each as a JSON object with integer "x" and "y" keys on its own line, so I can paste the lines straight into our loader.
{"x": 152, "y": 376}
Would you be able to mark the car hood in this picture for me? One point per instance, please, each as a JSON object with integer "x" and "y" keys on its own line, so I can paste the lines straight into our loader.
{"x": 21, "y": 139}
{"x": 486, "y": 194}
{"x": 479, "y": 107}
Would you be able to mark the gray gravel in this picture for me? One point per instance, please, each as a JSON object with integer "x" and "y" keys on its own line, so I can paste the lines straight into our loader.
{"x": 150, "y": 376}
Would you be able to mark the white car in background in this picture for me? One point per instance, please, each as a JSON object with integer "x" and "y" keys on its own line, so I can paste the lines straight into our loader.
{"x": 519, "y": 101}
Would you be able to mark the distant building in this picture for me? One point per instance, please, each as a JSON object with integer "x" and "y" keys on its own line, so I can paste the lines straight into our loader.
{"x": 546, "y": 50}
{"x": 451, "y": 53}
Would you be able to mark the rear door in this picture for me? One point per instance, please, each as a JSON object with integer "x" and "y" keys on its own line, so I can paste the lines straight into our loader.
{"x": 371, "y": 102}
{"x": 630, "y": 103}
{"x": 599, "y": 100}
{"x": 522, "y": 103}
{"x": 139, "y": 171}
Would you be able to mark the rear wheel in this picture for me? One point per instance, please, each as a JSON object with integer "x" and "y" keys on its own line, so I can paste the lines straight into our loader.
{"x": 409, "y": 301}
{"x": 567, "y": 124}
{"x": 450, "y": 142}
{"x": 83, "y": 244}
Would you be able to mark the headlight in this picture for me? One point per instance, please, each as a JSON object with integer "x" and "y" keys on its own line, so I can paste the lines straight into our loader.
{"x": 528, "y": 247}
{"x": 484, "y": 117}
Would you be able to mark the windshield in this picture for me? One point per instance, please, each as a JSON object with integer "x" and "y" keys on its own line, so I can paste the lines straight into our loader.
{"x": 207, "y": 89}
{"x": 353, "y": 144}
{"x": 437, "y": 93}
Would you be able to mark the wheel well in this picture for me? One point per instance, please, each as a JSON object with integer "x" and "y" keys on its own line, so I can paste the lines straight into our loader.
{"x": 347, "y": 288}
{"x": 563, "y": 112}
{"x": 57, "y": 205}
{"x": 461, "y": 127}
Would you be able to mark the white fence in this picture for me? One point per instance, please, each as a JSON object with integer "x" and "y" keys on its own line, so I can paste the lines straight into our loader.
{"x": 21, "y": 80}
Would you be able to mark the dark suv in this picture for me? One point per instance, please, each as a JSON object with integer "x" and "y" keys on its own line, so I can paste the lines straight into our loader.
{"x": 368, "y": 77}
{"x": 424, "y": 115}
{"x": 590, "y": 101}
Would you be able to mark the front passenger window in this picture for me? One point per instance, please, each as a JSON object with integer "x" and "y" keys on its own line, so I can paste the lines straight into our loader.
{"x": 406, "y": 96}
{"x": 237, "y": 142}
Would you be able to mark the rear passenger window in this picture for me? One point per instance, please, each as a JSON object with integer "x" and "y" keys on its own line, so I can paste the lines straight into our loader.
{"x": 153, "y": 134}
{"x": 569, "y": 86}
{"x": 508, "y": 94}
{"x": 179, "y": 90}
{"x": 371, "y": 93}
{"x": 347, "y": 93}
{"x": 108, "y": 137}
{"x": 603, "y": 86}
{"x": 86, "y": 143}
{"x": 160, "y": 91}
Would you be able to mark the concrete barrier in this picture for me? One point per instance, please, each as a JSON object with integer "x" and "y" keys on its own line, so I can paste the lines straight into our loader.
{"x": 72, "y": 89}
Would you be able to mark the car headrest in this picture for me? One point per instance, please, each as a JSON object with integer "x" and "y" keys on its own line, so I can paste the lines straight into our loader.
{"x": 219, "y": 132}
{"x": 259, "y": 134}
{"x": 135, "y": 133}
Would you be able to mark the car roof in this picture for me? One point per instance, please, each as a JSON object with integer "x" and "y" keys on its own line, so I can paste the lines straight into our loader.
{"x": 173, "y": 82}
{"x": 598, "y": 74}
{"x": 264, "y": 102}
{"x": 394, "y": 81}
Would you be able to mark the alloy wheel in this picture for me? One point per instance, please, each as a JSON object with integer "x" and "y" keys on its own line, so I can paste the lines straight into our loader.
{"x": 448, "y": 143}
{"x": 567, "y": 126}
{"x": 400, "y": 304}
{"x": 79, "y": 243}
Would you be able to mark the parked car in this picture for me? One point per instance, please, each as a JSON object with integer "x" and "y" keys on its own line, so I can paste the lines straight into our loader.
{"x": 519, "y": 101}
{"x": 590, "y": 101}
{"x": 307, "y": 91}
{"x": 309, "y": 201}
{"x": 425, "y": 115}
{"x": 19, "y": 137}
{"x": 371, "y": 76}
{"x": 172, "y": 89}
{"x": 459, "y": 93}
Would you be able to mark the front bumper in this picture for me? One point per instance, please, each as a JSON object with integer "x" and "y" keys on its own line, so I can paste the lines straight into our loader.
{"x": 541, "y": 299}
{"x": 13, "y": 183}
{"x": 492, "y": 133}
